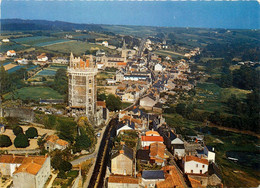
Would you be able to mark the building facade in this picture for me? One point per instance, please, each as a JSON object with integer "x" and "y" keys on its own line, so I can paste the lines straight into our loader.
{"x": 82, "y": 87}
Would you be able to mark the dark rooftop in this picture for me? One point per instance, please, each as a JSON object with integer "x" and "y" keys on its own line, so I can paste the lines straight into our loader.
{"x": 153, "y": 174}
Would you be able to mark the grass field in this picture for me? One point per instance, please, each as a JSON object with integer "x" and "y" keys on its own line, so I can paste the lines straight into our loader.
{"x": 76, "y": 47}
{"x": 213, "y": 97}
{"x": 35, "y": 93}
{"x": 174, "y": 55}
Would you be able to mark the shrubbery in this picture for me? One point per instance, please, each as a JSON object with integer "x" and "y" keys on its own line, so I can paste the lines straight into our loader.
{"x": 31, "y": 132}
{"x": 21, "y": 141}
{"x": 5, "y": 141}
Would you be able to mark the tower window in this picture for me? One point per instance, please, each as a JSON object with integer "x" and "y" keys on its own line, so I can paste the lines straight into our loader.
{"x": 89, "y": 90}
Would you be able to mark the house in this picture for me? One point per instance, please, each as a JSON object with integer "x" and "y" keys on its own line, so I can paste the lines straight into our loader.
{"x": 122, "y": 161}
{"x": 111, "y": 81}
{"x": 214, "y": 175}
{"x": 142, "y": 155}
{"x": 22, "y": 61}
{"x": 158, "y": 67}
{"x": 42, "y": 58}
{"x": 195, "y": 165}
{"x": 119, "y": 76}
{"x": 148, "y": 102}
{"x": 151, "y": 177}
{"x": 5, "y": 40}
{"x": 129, "y": 97}
{"x": 102, "y": 112}
{"x": 152, "y": 133}
{"x": 54, "y": 142}
{"x": 116, "y": 181}
{"x": 158, "y": 107}
{"x": 33, "y": 172}
{"x": 8, "y": 164}
{"x": 157, "y": 153}
{"x": 172, "y": 178}
{"x": 209, "y": 151}
{"x": 11, "y": 53}
{"x": 60, "y": 60}
{"x": 105, "y": 43}
{"x": 146, "y": 141}
{"x": 178, "y": 150}
{"x": 124, "y": 126}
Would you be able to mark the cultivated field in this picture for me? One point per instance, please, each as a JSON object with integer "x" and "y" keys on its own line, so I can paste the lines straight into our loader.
{"x": 35, "y": 93}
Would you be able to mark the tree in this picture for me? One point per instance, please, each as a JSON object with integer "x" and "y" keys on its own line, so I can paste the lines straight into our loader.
{"x": 83, "y": 142}
{"x": 60, "y": 164}
{"x": 31, "y": 132}
{"x": 101, "y": 97}
{"x": 5, "y": 141}
{"x": 17, "y": 130}
{"x": 65, "y": 166}
{"x": 113, "y": 103}
{"x": 181, "y": 109}
{"x": 21, "y": 141}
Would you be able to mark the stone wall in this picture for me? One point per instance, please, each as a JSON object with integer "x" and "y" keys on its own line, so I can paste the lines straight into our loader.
{"x": 22, "y": 113}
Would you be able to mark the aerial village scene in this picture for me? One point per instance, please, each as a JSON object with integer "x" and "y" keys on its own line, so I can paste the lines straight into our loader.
{"x": 128, "y": 105}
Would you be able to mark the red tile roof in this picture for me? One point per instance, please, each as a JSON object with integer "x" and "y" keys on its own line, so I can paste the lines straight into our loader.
{"x": 122, "y": 179}
{"x": 101, "y": 103}
{"x": 197, "y": 159}
{"x": 152, "y": 139}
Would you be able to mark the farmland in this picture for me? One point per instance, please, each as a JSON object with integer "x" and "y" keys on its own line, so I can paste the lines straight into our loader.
{"x": 35, "y": 93}
{"x": 76, "y": 47}
{"x": 212, "y": 97}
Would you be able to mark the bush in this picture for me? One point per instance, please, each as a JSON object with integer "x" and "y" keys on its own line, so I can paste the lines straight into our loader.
{"x": 21, "y": 141}
{"x": 17, "y": 130}
{"x": 31, "y": 132}
{"x": 5, "y": 141}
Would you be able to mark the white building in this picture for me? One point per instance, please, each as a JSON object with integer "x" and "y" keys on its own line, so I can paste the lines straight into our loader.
{"x": 22, "y": 61}
{"x": 42, "y": 58}
{"x": 11, "y": 53}
{"x": 5, "y": 40}
{"x": 105, "y": 43}
{"x": 146, "y": 141}
{"x": 158, "y": 67}
{"x": 195, "y": 165}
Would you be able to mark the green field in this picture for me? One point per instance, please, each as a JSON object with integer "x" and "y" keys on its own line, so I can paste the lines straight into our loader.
{"x": 76, "y": 47}
{"x": 174, "y": 55}
{"x": 211, "y": 97}
{"x": 35, "y": 93}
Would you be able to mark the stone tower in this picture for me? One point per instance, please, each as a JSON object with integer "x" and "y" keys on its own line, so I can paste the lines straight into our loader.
{"x": 82, "y": 87}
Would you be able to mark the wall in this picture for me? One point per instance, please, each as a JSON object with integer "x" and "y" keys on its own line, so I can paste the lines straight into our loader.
{"x": 23, "y": 113}
{"x": 191, "y": 165}
{"x": 121, "y": 165}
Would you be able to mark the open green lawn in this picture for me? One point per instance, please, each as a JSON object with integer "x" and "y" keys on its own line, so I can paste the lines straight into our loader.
{"x": 35, "y": 93}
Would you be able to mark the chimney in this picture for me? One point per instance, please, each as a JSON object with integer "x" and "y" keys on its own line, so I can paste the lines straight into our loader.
{"x": 121, "y": 151}
{"x": 122, "y": 143}
{"x": 213, "y": 149}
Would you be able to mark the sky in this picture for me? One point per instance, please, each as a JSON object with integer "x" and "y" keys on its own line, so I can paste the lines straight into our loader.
{"x": 177, "y": 13}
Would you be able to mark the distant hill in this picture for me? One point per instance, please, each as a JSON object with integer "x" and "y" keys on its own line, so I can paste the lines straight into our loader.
{"x": 25, "y": 25}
